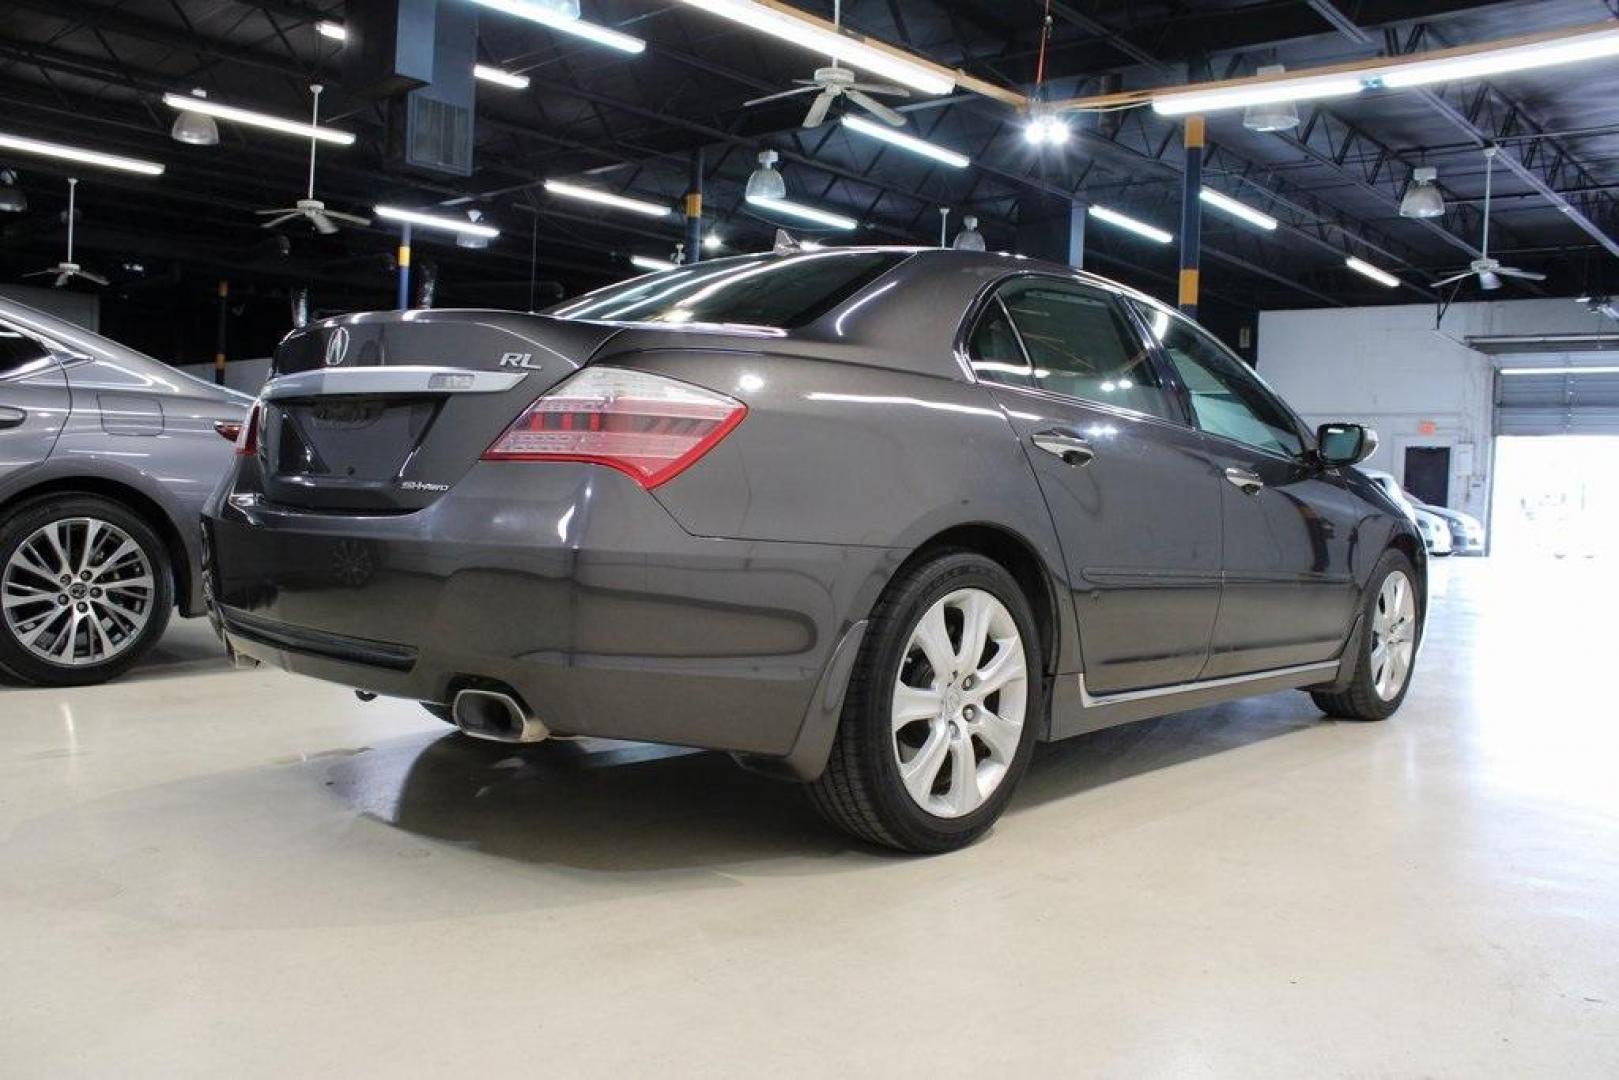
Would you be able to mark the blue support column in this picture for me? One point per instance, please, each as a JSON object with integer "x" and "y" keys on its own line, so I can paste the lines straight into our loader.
{"x": 1192, "y": 216}
{"x": 694, "y": 210}
{"x": 404, "y": 266}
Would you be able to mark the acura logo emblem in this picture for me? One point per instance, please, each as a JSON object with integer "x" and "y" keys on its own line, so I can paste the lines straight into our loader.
{"x": 337, "y": 347}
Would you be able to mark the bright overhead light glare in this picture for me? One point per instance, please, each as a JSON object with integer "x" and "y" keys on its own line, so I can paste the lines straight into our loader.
{"x": 1130, "y": 224}
{"x": 798, "y": 30}
{"x": 187, "y": 103}
{"x": 647, "y": 262}
{"x": 1242, "y": 95}
{"x": 499, "y": 77}
{"x": 567, "y": 24}
{"x": 1568, "y": 50}
{"x": 713, "y": 242}
{"x": 1596, "y": 370}
{"x": 807, "y": 213}
{"x": 1046, "y": 128}
{"x": 906, "y": 142}
{"x": 605, "y": 198}
{"x": 334, "y": 30}
{"x": 23, "y": 144}
{"x": 434, "y": 221}
{"x": 1382, "y": 277}
{"x": 1227, "y": 205}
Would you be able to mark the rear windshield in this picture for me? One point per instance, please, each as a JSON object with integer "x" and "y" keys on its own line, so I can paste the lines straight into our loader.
{"x": 755, "y": 290}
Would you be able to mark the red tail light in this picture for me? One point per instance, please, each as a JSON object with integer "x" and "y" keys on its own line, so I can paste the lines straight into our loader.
{"x": 648, "y": 426}
{"x": 247, "y": 434}
{"x": 229, "y": 430}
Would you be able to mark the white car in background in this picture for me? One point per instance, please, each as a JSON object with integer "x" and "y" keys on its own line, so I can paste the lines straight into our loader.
{"x": 1435, "y": 530}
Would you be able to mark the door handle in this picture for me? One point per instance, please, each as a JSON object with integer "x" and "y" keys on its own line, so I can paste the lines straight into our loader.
{"x": 10, "y": 418}
{"x": 1071, "y": 448}
{"x": 1249, "y": 483}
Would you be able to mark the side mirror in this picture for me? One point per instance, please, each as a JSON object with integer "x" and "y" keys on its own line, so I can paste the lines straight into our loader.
{"x": 1344, "y": 444}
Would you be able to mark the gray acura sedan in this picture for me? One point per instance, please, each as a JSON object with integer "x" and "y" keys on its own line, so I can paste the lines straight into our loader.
{"x": 876, "y": 520}
{"x": 106, "y": 457}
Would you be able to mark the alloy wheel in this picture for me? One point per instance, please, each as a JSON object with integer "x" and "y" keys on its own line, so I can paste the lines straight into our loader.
{"x": 78, "y": 591}
{"x": 959, "y": 702}
{"x": 1394, "y": 633}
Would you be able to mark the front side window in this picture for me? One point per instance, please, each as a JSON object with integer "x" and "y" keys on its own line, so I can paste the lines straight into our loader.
{"x": 20, "y": 353}
{"x": 1070, "y": 339}
{"x": 1228, "y": 399}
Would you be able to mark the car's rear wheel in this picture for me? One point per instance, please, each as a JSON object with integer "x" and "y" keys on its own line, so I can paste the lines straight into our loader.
{"x": 1387, "y": 650}
{"x": 86, "y": 588}
{"x": 938, "y": 724}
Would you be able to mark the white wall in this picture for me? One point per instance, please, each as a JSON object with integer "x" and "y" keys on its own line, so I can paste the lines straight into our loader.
{"x": 248, "y": 376}
{"x": 1390, "y": 368}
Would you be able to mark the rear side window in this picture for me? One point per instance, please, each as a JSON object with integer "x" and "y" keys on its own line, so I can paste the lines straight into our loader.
{"x": 760, "y": 290}
{"x": 1070, "y": 339}
{"x": 19, "y": 353}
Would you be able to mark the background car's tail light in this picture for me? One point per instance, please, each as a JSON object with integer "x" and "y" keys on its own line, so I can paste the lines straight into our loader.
{"x": 648, "y": 426}
{"x": 247, "y": 437}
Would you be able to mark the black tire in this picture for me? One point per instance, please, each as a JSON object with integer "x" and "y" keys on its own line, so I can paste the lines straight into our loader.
{"x": 1359, "y": 699}
{"x": 861, "y": 791}
{"x": 27, "y": 519}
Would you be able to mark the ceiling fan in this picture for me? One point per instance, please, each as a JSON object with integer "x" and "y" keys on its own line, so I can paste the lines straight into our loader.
{"x": 312, "y": 209}
{"x": 833, "y": 82}
{"x": 1490, "y": 271}
{"x": 67, "y": 269}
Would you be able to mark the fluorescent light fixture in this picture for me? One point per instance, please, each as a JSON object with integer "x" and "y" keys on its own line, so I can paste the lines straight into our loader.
{"x": 1382, "y": 277}
{"x": 906, "y": 142}
{"x": 1226, "y": 204}
{"x": 1569, "y": 50}
{"x": 187, "y": 103}
{"x": 556, "y": 20}
{"x": 1303, "y": 88}
{"x": 499, "y": 77}
{"x": 646, "y": 262}
{"x": 434, "y": 221}
{"x": 1600, "y": 370}
{"x": 605, "y": 198}
{"x": 23, "y": 144}
{"x": 808, "y": 213}
{"x": 334, "y": 30}
{"x": 1125, "y": 221}
{"x": 798, "y": 30}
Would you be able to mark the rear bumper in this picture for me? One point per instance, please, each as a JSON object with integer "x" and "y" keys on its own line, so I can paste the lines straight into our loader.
{"x": 567, "y": 584}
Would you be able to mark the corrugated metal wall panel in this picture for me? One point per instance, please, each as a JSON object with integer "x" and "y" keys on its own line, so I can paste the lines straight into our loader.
{"x": 1562, "y": 404}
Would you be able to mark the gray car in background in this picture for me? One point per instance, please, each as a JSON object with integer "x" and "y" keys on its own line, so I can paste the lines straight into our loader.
{"x": 106, "y": 458}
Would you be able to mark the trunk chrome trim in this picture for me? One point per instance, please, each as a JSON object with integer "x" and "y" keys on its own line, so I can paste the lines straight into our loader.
{"x": 401, "y": 379}
{"x": 1092, "y": 701}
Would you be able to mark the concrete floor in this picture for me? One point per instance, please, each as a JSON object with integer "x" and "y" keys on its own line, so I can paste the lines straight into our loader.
{"x": 207, "y": 872}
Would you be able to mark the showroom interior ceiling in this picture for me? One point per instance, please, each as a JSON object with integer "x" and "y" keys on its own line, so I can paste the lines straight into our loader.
{"x": 97, "y": 71}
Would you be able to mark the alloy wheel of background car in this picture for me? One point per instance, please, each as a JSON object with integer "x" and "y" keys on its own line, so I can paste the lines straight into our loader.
{"x": 1386, "y": 648}
{"x": 1394, "y": 627}
{"x": 85, "y": 587}
{"x": 937, "y": 723}
{"x": 959, "y": 702}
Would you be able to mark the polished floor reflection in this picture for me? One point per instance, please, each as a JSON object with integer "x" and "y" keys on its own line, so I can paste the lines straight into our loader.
{"x": 246, "y": 874}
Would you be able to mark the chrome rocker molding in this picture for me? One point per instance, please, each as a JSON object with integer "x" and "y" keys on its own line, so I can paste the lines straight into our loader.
{"x": 1327, "y": 670}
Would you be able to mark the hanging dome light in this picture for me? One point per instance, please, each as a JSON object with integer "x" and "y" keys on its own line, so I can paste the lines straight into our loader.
{"x": 1271, "y": 115}
{"x": 1422, "y": 198}
{"x": 195, "y": 128}
{"x": 969, "y": 238}
{"x": 471, "y": 240}
{"x": 12, "y": 198}
{"x": 766, "y": 182}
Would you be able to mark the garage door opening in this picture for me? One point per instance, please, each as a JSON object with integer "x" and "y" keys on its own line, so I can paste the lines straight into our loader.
{"x": 1556, "y": 496}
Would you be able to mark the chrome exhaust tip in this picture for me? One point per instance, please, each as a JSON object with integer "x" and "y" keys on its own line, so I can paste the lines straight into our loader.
{"x": 498, "y": 717}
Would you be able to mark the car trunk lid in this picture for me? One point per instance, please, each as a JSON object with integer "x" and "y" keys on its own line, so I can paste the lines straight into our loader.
{"x": 385, "y": 411}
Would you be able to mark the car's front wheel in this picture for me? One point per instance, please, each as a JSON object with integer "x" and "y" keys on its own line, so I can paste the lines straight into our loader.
{"x": 938, "y": 724}
{"x": 1387, "y": 649}
{"x": 86, "y": 588}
